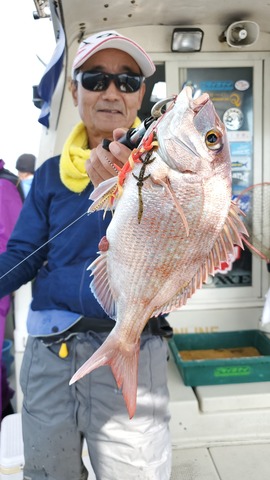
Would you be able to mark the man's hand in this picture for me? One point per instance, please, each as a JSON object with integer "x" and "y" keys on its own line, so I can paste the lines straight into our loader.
{"x": 101, "y": 164}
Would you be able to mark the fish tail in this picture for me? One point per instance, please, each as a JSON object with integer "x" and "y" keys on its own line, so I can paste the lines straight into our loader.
{"x": 123, "y": 361}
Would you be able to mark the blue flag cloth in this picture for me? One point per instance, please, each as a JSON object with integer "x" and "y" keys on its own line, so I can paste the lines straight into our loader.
{"x": 51, "y": 76}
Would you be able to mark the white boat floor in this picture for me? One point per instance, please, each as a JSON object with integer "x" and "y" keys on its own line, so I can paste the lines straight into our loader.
{"x": 236, "y": 462}
{"x": 249, "y": 462}
{"x": 218, "y": 433}
{"x": 226, "y": 462}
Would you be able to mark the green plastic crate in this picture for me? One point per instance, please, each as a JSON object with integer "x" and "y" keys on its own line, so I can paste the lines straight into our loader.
{"x": 222, "y": 371}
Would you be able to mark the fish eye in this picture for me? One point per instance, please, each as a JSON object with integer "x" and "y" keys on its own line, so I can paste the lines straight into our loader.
{"x": 213, "y": 139}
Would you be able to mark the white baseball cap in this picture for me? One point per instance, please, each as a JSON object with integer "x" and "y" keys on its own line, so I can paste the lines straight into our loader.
{"x": 112, "y": 39}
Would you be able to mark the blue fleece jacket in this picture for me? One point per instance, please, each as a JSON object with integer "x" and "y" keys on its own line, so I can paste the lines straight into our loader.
{"x": 60, "y": 267}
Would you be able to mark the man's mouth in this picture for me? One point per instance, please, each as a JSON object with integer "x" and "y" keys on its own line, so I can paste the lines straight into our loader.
{"x": 110, "y": 111}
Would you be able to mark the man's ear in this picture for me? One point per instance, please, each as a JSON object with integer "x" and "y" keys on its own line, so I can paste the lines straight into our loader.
{"x": 74, "y": 92}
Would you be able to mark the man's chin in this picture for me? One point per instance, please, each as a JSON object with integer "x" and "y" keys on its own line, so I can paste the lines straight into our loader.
{"x": 109, "y": 122}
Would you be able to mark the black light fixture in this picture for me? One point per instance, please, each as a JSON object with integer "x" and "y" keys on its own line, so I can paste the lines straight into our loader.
{"x": 187, "y": 40}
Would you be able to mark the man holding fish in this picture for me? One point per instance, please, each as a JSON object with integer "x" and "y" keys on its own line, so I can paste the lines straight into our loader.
{"x": 174, "y": 223}
{"x": 66, "y": 324}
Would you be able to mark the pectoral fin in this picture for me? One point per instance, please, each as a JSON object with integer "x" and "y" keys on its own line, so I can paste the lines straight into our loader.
{"x": 165, "y": 182}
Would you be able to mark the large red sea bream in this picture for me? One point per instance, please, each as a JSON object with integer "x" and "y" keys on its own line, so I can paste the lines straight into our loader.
{"x": 173, "y": 224}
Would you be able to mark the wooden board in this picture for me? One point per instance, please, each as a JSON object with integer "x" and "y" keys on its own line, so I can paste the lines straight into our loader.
{"x": 214, "y": 354}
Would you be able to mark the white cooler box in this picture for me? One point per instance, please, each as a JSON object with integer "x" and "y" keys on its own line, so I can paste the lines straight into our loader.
{"x": 11, "y": 448}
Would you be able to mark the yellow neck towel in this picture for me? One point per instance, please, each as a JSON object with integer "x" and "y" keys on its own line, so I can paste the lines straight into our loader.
{"x": 73, "y": 158}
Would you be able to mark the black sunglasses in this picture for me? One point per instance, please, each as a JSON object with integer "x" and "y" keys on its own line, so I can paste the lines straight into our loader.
{"x": 99, "y": 81}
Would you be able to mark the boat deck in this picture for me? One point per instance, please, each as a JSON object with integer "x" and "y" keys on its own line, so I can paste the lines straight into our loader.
{"x": 218, "y": 433}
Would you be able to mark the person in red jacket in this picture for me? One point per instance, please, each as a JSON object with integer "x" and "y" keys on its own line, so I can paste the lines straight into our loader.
{"x": 10, "y": 207}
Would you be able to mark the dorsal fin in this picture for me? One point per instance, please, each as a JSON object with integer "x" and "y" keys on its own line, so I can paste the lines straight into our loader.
{"x": 232, "y": 234}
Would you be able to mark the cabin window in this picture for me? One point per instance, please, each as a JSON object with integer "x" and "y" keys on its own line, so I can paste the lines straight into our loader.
{"x": 231, "y": 90}
{"x": 154, "y": 85}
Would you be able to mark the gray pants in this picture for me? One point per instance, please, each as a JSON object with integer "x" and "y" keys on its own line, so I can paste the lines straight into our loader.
{"x": 56, "y": 417}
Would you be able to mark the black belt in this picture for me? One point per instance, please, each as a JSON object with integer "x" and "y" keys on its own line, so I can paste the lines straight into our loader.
{"x": 155, "y": 326}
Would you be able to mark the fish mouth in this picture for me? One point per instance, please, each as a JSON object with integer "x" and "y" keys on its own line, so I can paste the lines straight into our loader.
{"x": 198, "y": 103}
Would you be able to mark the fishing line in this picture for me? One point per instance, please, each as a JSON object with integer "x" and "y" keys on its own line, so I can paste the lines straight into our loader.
{"x": 39, "y": 248}
{"x": 156, "y": 113}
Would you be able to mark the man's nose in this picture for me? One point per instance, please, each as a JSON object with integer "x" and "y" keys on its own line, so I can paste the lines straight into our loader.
{"x": 112, "y": 91}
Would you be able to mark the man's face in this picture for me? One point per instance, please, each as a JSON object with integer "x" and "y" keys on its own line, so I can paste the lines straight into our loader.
{"x": 103, "y": 111}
